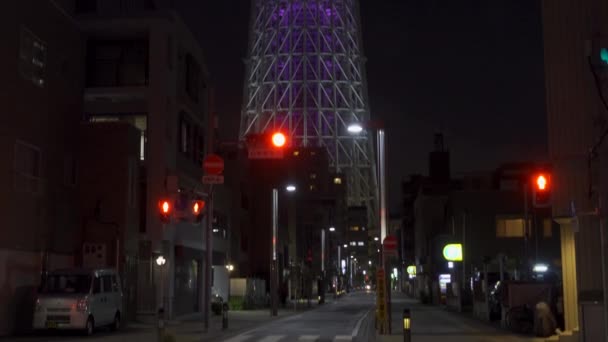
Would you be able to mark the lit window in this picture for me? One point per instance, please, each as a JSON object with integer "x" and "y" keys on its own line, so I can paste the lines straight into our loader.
{"x": 296, "y": 153}
{"x": 354, "y": 228}
{"x": 312, "y": 187}
{"x": 313, "y": 176}
{"x": 360, "y": 243}
{"x": 32, "y": 58}
{"x": 509, "y": 228}
{"x": 353, "y": 243}
{"x": 337, "y": 180}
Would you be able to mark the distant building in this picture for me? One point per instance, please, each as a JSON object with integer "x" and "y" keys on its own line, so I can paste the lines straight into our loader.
{"x": 41, "y": 99}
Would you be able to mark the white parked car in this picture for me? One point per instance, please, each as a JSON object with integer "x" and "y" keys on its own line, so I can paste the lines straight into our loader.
{"x": 79, "y": 299}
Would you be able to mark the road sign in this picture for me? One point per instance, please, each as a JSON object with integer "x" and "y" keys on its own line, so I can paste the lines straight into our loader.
{"x": 390, "y": 246}
{"x": 213, "y": 179}
{"x": 213, "y": 165}
{"x": 264, "y": 153}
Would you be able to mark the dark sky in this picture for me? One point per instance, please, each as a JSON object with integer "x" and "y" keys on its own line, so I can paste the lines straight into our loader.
{"x": 471, "y": 69}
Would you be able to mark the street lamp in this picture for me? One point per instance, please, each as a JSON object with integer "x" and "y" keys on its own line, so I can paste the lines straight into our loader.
{"x": 376, "y": 238}
{"x": 332, "y": 229}
{"x": 355, "y": 128}
{"x": 290, "y": 188}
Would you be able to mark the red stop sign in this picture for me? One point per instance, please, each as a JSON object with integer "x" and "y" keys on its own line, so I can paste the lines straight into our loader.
{"x": 390, "y": 242}
{"x": 213, "y": 164}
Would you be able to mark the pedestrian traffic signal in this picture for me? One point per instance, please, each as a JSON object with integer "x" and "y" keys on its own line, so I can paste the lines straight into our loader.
{"x": 541, "y": 190}
{"x": 164, "y": 210}
{"x": 197, "y": 210}
{"x": 278, "y": 139}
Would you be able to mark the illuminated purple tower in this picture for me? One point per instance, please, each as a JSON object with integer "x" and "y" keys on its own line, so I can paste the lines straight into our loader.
{"x": 305, "y": 75}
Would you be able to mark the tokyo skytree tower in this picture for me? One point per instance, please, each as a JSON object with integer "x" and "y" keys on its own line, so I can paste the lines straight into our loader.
{"x": 305, "y": 76}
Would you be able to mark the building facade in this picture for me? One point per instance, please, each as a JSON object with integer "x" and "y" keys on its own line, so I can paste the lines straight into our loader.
{"x": 41, "y": 99}
{"x": 575, "y": 80}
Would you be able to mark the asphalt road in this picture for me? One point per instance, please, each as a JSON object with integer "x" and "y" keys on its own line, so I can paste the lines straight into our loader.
{"x": 342, "y": 320}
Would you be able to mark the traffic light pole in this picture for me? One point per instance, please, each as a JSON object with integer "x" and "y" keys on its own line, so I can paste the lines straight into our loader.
{"x": 209, "y": 260}
{"x": 273, "y": 261}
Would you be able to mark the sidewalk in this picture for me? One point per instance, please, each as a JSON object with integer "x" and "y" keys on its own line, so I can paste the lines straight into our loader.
{"x": 190, "y": 328}
{"x": 431, "y": 323}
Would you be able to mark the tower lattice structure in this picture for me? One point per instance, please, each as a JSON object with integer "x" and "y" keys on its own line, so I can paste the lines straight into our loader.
{"x": 305, "y": 76}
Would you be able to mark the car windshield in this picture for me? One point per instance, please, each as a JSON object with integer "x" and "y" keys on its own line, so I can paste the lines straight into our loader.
{"x": 67, "y": 284}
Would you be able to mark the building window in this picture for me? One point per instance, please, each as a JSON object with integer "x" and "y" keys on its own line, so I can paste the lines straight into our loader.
{"x": 509, "y": 228}
{"x": 360, "y": 243}
{"x": 337, "y": 181}
{"x": 132, "y": 183}
{"x": 547, "y": 228}
{"x": 296, "y": 153}
{"x": 170, "y": 52}
{"x": 312, "y": 187}
{"x": 117, "y": 63}
{"x": 32, "y": 58}
{"x": 183, "y": 134}
{"x": 354, "y": 228}
{"x": 313, "y": 176}
{"x": 353, "y": 243}
{"x": 85, "y": 6}
{"x": 193, "y": 78}
{"x": 69, "y": 171}
{"x": 28, "y": 173}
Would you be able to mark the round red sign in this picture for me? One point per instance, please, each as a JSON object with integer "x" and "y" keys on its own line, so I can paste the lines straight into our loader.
{"x": 390, "y": 242}
{"x": 213, "y": 164}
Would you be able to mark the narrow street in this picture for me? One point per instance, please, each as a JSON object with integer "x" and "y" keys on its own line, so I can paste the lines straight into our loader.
{"x": 347, "y": 319}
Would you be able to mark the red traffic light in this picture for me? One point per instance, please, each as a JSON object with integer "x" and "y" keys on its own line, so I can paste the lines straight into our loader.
{"x": 541, "y": 190}
{"x": 279, "y": 139}
{"x": 164, "y": 206}
{"x": 197, "y": 207}
{"x": 164, "y": 209}
{"x": 542, "y": 183}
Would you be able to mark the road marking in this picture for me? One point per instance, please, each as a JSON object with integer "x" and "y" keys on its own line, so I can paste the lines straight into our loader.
{"x": 239, "y": 338}
{"x": 309, "y": 338}
{"x": 343, "y": 338}
{"x": 356, "y": 330}
{"x": 272, "y": 338}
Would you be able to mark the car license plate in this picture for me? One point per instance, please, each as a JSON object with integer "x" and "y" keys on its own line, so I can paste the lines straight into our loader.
{"x": 51, "y": 325}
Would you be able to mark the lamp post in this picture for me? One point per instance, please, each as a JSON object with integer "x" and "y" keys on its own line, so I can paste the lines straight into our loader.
{"x": 356, "y": 128}
{"x": 274, "y": 272}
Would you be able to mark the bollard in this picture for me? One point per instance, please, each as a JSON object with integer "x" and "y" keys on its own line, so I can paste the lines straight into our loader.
{"x": 161, "y": 324}
{"x": 407, "y": 332}
{"x": 224, "y": 316}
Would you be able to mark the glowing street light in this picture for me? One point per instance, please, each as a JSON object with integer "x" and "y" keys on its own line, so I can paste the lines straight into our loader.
{"x": 332, "y": 229}
{"x": 540, "y": 268}
{"x": 355, "y": 128}
{"x": 160, "y": 260}
{"x": 290, "y": 188}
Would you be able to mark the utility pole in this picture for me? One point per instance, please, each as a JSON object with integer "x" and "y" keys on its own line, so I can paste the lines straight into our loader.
{"x": 209, "y": 232}
{"x": 273, "y": 262}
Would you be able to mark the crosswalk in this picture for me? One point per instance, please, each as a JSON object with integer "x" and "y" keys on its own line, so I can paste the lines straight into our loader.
{"x": 285, "y": 338}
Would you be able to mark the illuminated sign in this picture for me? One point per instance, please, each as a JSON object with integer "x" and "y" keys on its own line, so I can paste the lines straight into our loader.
{"x": 453, "y": 252}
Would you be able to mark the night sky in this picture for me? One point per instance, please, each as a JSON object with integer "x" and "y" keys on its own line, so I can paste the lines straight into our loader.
{"x": 471, "y": 69}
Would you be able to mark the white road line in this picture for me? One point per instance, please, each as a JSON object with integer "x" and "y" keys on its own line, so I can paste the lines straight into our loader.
{"x": 272, "y": 338}
{"x": 309, "y": 338}
{"x": 356, "y": 330}
{"x": 238, "y": 338}
{"x": 343, "y": 338}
